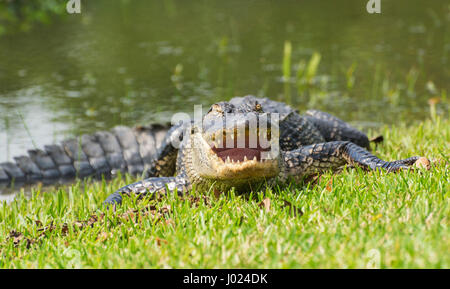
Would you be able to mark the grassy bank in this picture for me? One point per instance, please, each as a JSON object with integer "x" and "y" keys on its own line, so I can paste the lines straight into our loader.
{"x": 350, "y": 220}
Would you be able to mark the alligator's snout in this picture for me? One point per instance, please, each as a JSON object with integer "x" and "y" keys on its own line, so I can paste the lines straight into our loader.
{"x": 236, "y": 148}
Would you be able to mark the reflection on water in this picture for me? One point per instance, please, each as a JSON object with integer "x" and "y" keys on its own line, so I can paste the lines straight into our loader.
{"x": 131, "y": 62}
{"x": 9, "y": 195}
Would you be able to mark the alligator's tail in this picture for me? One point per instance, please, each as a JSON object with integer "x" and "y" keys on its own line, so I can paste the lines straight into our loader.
{"x": 129, "y": 150}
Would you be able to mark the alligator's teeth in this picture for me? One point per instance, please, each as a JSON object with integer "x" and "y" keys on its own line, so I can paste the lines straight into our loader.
{"x": 228, "y": 160}
{"x": 245, "y": 158}
{"x": 254, "y": 158}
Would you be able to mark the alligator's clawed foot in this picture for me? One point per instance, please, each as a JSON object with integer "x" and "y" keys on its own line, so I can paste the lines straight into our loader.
{"x": 408, "y": 164}
{"x": 423, "y": 162}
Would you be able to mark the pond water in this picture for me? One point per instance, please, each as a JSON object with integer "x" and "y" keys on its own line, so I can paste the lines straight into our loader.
{"x": 136, "y": 62}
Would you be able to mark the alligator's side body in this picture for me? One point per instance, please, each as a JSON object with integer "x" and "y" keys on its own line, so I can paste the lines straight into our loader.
{"x": 211, "y": 155}
{"x": 308, "y": 144}
{"x": 129, "y": 150}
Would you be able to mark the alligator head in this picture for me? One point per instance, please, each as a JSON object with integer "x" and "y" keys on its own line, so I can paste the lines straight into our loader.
{"x": 233, "y": 147}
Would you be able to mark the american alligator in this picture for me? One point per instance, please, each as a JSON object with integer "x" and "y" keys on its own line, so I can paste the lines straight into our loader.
{"x": 216, "y": 153}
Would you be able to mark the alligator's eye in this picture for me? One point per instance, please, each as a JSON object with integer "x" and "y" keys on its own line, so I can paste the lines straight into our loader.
{"x": 217, "y": 108}
{"x": 258, "y": 107}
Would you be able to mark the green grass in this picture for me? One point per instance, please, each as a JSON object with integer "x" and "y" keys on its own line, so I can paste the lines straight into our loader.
{"x": 350, "y": 220}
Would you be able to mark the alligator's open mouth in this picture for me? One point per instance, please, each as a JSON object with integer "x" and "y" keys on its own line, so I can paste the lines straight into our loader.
{"x": 238, "y": 154}
{"x": 236, "y": 157}
{"x": 240, "y": 146}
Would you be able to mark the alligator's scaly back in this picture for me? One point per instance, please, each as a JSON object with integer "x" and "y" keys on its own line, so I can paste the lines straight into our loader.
{"x": 124, "y": 149}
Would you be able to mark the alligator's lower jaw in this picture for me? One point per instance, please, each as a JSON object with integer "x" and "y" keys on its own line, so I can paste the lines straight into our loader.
{"x": 241, "y": 169}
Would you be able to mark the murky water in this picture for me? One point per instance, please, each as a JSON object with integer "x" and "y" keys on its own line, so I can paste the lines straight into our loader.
{"x": 135, "y": 62}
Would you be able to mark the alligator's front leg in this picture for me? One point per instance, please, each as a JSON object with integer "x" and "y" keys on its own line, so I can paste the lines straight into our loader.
{"x": 166, "y": 157}
{"x": 149, "y": 186}
{"x": 320, "y": 157}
